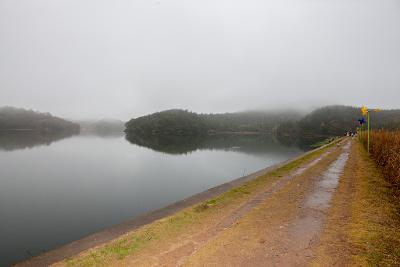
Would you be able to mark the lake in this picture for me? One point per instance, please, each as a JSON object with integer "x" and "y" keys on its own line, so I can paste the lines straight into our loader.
{"x": 57, "y": 189}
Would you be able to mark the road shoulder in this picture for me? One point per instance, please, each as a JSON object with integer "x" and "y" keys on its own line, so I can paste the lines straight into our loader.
{"x": 362, "y": 227}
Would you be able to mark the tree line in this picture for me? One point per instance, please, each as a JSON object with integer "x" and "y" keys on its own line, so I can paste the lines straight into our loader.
{"x": 334, "y": 121}
{"x": 183, "y": 122}
{"x": 21, "y": 119}
{"x": 288, "y": 126}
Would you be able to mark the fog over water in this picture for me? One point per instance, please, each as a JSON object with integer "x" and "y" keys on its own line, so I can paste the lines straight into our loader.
{"x": 97, "y": 58}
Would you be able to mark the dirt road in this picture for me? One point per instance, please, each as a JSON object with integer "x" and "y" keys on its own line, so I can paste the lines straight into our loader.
{"x": 277, "y": 225}
{"x": 258, "y": 232}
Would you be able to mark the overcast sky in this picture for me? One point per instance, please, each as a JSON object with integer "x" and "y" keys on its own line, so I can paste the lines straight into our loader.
{"x": 125, "y": 58}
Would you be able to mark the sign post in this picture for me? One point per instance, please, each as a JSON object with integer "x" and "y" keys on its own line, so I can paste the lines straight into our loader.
{"x": 362, "y": 122}
{"x": 366, "y": 112}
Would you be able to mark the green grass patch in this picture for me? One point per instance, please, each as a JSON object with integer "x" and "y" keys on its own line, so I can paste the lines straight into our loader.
{"x": 325, "y": 142}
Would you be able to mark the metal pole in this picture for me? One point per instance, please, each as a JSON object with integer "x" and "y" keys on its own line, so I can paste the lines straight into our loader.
{"x": 369, "y": 127}
{"x": 362, "y": 131}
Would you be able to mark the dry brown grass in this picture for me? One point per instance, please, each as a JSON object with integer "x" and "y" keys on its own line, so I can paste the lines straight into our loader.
{"x": 385, "y": 150}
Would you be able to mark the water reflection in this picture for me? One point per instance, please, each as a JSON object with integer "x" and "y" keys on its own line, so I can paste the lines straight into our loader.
{"x": 15, "y": 140}
{"x": 253, "y": 144}
{"x": 71, "y": 188}
{"x": 102, "y": 134}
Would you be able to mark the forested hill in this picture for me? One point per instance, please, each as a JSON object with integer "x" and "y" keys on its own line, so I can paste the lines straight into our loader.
{"x": 182, "y": 122}
{"x": 169, "y": 122}
{"x": 249, "y": 121}
{"x": 334, "y": 121}
{"x": 21, "y": 119}
{"x": 288, "y": 126}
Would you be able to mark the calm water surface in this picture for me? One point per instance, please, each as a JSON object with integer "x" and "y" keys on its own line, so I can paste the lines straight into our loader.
{"x": 54, "y": 190}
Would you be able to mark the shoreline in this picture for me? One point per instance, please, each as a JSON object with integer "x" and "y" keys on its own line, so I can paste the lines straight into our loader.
{"x": 113, "y": 232}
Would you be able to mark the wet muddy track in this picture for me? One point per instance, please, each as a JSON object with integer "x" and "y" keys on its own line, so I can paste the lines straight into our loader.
{"x": 177, "y": 255}
{"x": 292, "y": 245}
{"x": 304, "y": 231}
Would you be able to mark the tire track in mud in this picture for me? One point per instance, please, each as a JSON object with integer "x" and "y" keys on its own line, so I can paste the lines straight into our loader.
{"x": 295, "y": 248}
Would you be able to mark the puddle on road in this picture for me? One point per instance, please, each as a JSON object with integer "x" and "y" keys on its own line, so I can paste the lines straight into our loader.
{"x": 244, "y": 209}
{"x": 304, "y": 230}
{"x": 321, "y": 196}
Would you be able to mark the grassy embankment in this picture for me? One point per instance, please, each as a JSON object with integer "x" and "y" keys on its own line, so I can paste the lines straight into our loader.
{"x": 324, "y": 142}
{"x": 363, "y": 225}
{"x": 157, "y": 235}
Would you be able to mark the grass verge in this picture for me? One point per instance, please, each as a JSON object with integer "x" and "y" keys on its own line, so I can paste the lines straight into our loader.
{"x": 325, "y": 142}
{"x": 363, "y": 224}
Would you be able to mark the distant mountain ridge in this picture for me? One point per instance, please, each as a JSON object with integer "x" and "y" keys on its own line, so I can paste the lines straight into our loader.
{"x": 12, "y": 118}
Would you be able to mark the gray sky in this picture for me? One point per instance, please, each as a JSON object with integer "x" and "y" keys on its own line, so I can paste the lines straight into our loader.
{"x": 125, "y": 58}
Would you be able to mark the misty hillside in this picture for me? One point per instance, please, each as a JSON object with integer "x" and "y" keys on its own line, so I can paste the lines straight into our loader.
{"x": 169, "y": 122}
{"x": 102, "y": 126}
{"x": 334, "y": 121}
{"x": 289, "y": 126}
{"x": 182, "y": 122}
{"x": 249, "y": 121}
{"x": 21, "y": 119}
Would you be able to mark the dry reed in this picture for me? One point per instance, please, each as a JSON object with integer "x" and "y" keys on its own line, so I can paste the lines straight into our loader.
{"x": 385, "y": 150}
